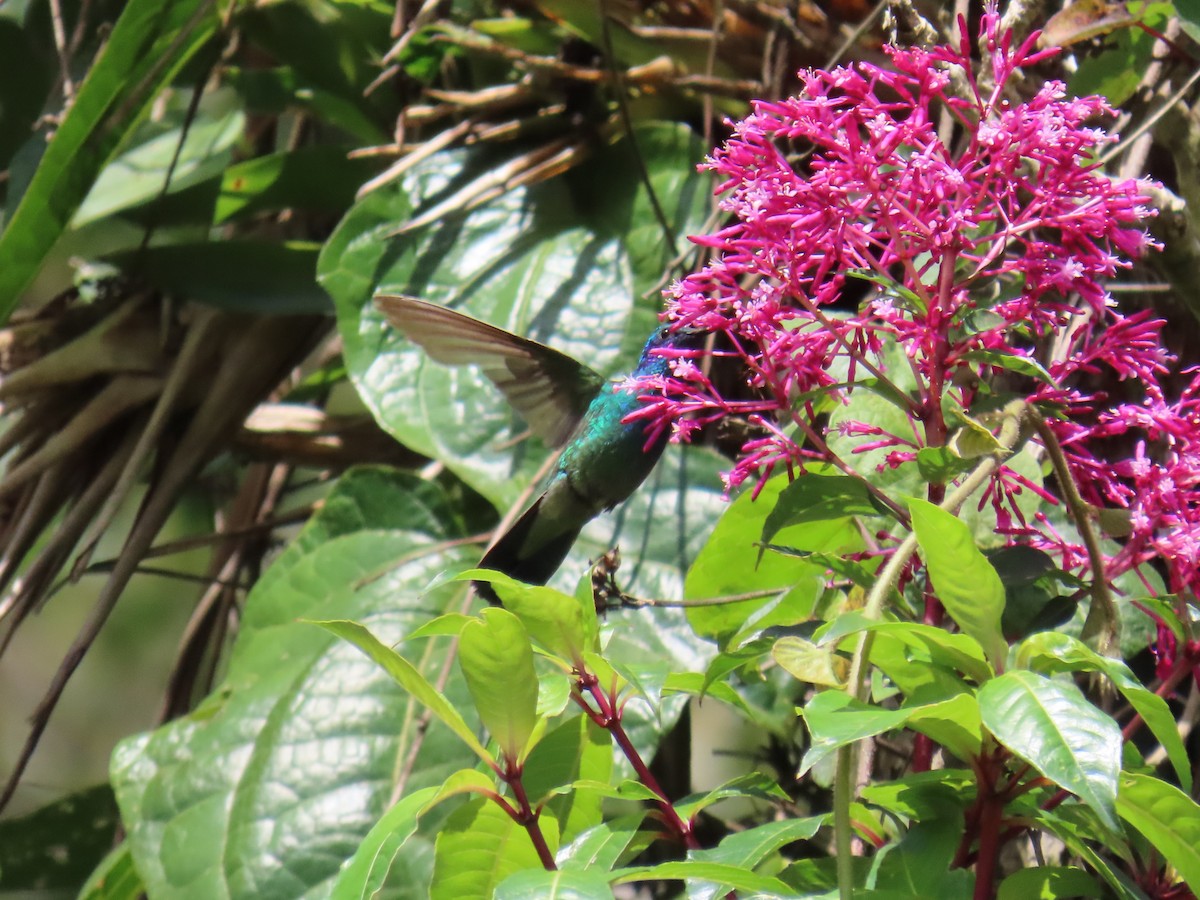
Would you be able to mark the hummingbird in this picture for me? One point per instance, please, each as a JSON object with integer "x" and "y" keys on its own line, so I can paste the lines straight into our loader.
{"x": 566, "y": 404}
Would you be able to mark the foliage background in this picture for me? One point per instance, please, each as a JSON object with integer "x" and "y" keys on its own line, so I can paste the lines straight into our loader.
{"x": 188, "y": 262}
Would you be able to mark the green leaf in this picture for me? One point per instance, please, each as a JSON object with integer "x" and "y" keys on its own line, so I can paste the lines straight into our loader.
{"x": 919, "y": 863}
{"x": 1048, "y": 882}
{"x": 1189, "y": 17}
{"x": 497, "y": 660}
{"x": 1053, "y": 727}
{"x": 151, "y": 40}
{"x": 1079, "y": 829}
{"x": 814, "y": 498}
{"x": 319, "y": 178}
{"x": 200, "y": 149}
{"x": 577, "y": 749}
{"x": 940, "y": 465}
{"x": 1051, "y": 652}
{"x": 116, "y": 878}
{"x": 479, "y": 847}
{"x": 1168, "y": 818}
{"x": 955, "y": 723}
{"x": 1116, "y": 72}
{"x": 367, "y": 871}
{"x": 553, "y": 619}
{"x": 240, "y": 276}
{"x": 1006, "y": 359}
{"x": 604, "y": 846}
{"x": 924, "y": 795}
{"x": 965, "y": 582}
{"x": 749, "y": 848}
{"x": 835, "y": 719}
{"x": 752, "y": 784}
{"x": 57, "y": 846}
{"x": 957, "y": 652}
{"x": 543, "y": 885}
{"x": 407, "y": 676}
{"x": 728, "y": 565}
{"x": 763, "y": 886}
{"x": 305, "y": 731}
{"x": 464, "y": 781}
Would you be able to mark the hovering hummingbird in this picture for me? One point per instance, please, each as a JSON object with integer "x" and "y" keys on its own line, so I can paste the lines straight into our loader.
{"x": 563, "y": 402}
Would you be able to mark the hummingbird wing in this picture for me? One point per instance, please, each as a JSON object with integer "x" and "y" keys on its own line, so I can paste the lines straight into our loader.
{"x": 549, "y": 389}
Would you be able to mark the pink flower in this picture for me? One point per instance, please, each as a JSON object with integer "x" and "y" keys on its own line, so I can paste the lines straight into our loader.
{"x": 987, "y": 252}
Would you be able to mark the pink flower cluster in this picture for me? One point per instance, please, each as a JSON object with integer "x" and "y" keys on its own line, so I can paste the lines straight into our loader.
{"x": 989, "y": 251}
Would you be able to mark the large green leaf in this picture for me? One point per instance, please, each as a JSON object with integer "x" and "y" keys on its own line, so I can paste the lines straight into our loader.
{"x": 919, "y": 863}
{"x": 559, "y": 262}
{"x": 538, "y": 884}
{"x": 150, "y": 42}
{"x": 304, "y": 732}
{"x": 1052, "y": 726}
{"x": 729, "y": 564}
{"x": 1168, "y": 818}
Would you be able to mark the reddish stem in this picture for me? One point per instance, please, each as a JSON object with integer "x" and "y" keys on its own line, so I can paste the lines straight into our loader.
{"x": 607, "y": 715}
{"x": 526, "y": 816}
{"x": 922, "y": 755}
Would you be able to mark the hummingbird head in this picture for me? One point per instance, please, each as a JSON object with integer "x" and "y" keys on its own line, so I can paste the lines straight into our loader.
{"x": 662, "y": 345}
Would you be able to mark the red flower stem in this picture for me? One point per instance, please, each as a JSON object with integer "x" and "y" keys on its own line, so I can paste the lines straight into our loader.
{"x": 608, "y": 716}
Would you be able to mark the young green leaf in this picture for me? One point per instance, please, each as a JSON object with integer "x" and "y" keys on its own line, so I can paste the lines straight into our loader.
{"x": 367, "y": 870}
{"x": 965, "y": 582}
{"x": 553, "y": 619}
{"x": 497, "y": 660}
{"x": 810, "y": 663}
{"x": 1053, "y": 727}
{"x": 813, "y": 497}
{"x": 835, "y": 719}
{"x": 408, "y": 678}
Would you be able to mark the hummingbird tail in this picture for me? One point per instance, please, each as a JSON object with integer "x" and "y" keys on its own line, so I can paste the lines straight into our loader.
{"x": 513, "y": 555}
